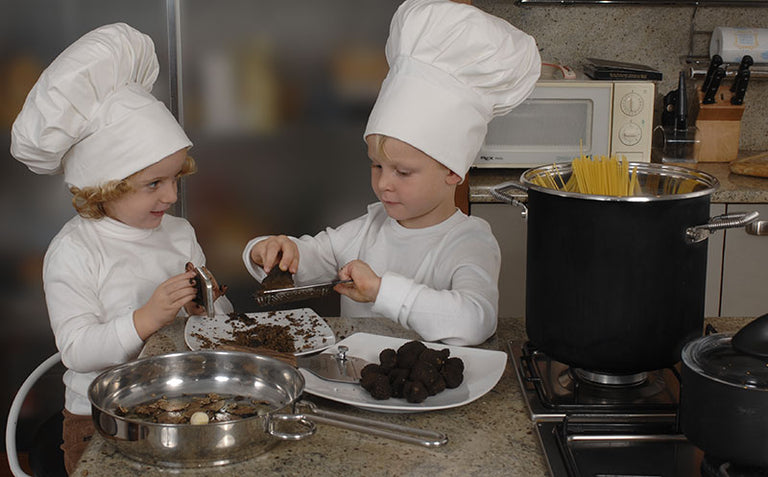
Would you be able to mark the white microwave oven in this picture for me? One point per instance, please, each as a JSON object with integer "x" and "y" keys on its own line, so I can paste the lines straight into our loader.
{"x": 563, "y": 118}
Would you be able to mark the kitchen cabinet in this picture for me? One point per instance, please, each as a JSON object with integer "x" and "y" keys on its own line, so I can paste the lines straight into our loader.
{"x": 510, "y": 230}
{"x": 714, "y": 266}
{"x": 745, "y": 268}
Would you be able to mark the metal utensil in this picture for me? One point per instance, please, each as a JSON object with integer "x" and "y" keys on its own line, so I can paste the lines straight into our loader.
{"x": 280, "y": 296}
{"x": 333, "y": 367}
{"x": 204, "y": 283}
{"x": 336, "y": 367}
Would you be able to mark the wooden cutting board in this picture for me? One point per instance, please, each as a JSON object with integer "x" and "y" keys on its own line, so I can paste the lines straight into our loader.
{"x": 756, "y": 165}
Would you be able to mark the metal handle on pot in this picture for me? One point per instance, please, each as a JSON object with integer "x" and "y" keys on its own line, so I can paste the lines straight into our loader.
{"x": 726, "y": 221}
{"x": 274, "y": 419}
{"x": 498, "y": 193}
{"x": 387, "y": 430}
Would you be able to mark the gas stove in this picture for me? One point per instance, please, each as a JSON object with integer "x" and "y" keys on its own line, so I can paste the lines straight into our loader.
{"x": 604, "y": 425}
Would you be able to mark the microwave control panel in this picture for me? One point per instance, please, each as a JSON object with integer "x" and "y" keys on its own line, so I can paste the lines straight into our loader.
{"x": 632, "y": 120}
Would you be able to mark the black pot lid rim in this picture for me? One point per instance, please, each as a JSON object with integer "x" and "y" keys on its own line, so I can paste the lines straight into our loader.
{"x": 713, "y": 357}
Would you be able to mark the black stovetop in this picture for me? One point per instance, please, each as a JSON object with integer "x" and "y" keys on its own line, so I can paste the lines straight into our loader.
{"x": 598, "y": 430}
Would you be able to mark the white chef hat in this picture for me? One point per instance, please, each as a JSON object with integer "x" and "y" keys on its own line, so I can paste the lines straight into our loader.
{"x": 91, "y": 113}
{"x": 453, "y": 68}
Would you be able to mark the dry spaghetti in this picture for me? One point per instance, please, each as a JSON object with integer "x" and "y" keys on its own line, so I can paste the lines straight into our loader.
{"x": 611, "y": 176}
{"x": 598, "y": 176}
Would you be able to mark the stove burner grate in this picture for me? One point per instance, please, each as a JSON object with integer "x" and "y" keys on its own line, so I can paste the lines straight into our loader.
{"x": 553, "y": 389}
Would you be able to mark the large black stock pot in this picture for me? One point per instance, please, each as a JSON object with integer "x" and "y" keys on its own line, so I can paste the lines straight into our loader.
{"x": 617, "y": 284}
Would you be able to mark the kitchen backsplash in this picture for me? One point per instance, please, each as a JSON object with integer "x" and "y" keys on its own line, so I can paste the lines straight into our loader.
{"x": 658, "y": 36}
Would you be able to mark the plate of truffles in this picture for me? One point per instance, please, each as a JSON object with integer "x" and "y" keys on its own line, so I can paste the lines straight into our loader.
{"x": 411, "y": 376}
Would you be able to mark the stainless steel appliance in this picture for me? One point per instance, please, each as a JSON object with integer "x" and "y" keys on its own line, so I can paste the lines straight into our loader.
{"x": 592, "y": 424}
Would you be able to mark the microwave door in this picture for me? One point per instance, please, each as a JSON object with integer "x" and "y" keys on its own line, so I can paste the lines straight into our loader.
{"x": 555, "y": 124}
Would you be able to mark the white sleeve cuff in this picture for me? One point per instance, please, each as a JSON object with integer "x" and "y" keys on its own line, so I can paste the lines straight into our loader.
{"x": 127, "y": 334}
{"x": 256, "y": 271}
{"x": 390, "y": 301}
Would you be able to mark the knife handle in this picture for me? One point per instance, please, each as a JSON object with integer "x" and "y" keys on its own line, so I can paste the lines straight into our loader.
{"x": 717, "y": 60}
{"x": 714, "y": 85}
{"x": 740, "y": 87}
{"x": 746, "y": 62}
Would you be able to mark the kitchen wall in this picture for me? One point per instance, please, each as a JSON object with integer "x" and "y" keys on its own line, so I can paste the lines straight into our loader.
{"x": 658, "y": 36}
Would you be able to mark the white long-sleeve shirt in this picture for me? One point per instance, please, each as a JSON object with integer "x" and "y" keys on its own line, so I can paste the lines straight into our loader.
{"x": 440, "y": 281}
{"x": 96, "y": 273}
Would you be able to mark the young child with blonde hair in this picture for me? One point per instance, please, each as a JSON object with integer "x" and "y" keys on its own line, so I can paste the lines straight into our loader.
{"x": 115, "y": 273}
{"x": 414, "y": 258}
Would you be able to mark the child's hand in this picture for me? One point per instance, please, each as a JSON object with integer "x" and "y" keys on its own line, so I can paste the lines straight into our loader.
{"x": 195, "y": 307}
{"x": 365, "y": 286}
{"x": 164, "y": 304}
{"x": 276, "y": 250}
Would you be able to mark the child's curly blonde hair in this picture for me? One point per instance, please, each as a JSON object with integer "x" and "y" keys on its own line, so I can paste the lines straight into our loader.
{"x": 89, "y": 201}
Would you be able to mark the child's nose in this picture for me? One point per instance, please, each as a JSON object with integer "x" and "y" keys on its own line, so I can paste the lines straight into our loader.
{"x": 385, "y": 182}
{"x": 170, "y": 193}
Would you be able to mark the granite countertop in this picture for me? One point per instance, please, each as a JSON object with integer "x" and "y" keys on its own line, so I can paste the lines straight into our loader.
{"x": 490, "y": 436}
{"x": 734, "y": 188}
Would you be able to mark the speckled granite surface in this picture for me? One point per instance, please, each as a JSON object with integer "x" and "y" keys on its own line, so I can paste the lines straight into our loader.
{"x": 734, "y": 188}
{"x": 492, "y": 436}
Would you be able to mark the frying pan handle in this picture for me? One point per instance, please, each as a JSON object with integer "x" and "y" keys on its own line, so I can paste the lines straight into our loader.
{"x": 387, "y": 430}
{"x": 275, "y": 419}
{"x": 499, "y": 193}
{"x": 726, "y": 221}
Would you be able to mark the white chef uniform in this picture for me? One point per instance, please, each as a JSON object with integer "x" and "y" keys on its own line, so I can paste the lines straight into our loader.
{"x": 91, "y": 115}
{"x": 453, "y": 68}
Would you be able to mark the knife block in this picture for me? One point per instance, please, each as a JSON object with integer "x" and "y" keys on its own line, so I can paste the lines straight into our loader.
{"x": 719, "y": 128}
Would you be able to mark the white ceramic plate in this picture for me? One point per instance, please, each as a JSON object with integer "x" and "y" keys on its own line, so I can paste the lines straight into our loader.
{"x": 482, "y": 370}
{"x": 310, "y": 332}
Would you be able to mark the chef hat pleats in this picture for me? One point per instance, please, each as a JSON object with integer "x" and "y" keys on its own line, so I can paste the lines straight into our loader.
{"x": 91, "y": 113}
{"x": 453, "y": 68}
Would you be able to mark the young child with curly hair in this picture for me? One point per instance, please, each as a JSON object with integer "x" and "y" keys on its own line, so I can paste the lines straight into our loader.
{"x": 115, "y": 273}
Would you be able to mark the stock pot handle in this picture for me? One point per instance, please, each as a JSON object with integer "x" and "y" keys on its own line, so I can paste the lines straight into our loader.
{"x": 410, "y": 435}
{"x": 273, "y": 421}
{"x": 499, "y": 193}
{"x": 726, "y": 221}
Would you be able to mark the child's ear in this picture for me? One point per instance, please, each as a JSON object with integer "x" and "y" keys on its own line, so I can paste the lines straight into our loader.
{"x": 452, "y": 178}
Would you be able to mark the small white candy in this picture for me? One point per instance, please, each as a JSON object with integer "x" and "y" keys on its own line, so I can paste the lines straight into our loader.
{"x": 198, "y": 418}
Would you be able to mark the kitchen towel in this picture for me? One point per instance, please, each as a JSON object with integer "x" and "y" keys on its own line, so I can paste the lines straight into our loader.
{"x": 733, "y": 43}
